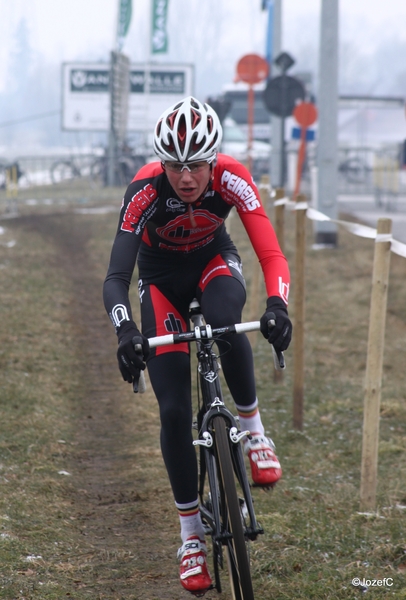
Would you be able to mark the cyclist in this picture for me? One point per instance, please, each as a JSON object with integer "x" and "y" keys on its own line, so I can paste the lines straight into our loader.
{"x": 172, "y": 221}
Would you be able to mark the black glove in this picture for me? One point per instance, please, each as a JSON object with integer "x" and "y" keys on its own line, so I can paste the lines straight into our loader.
{"x": 281, "y": 334}
{"x": 130, "y": 361}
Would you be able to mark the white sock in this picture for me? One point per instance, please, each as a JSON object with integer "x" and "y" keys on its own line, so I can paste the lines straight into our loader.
{"x": 190, "y": 521}
{"x": 250, "y": 418}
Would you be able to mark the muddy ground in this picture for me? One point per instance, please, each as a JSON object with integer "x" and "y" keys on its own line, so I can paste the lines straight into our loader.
{"x": 121, "y": 504}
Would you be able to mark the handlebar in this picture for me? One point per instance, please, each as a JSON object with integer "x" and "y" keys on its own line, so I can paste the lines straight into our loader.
{"x": 205, "y": 332}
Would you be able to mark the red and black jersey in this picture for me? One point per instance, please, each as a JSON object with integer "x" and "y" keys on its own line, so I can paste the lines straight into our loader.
{"x": 156, "y": 227}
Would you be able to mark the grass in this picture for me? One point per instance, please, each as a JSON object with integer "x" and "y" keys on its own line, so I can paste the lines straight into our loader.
{"x": 36, "y": 384}
{"x": 61, "y": 411}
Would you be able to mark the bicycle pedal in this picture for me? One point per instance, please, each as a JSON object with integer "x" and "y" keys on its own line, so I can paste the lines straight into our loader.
{"x": 202, "y": 593}
{"x": 268, "y": 487}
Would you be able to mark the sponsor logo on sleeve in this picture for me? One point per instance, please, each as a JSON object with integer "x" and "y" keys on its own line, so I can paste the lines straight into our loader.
{"x": 139, "y": 209}
{"x": 283, "y": 290}
{"x": 141, "y": 290}
{"x": 241, "y": 190}
{"x": 119, "y": 314}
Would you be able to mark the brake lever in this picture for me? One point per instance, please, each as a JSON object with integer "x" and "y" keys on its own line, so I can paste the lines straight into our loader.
{"x": 278, "y": 356}
{"x": 139, "y": 384}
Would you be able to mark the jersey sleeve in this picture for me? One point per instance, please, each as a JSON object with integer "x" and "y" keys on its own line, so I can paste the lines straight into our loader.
{"x": 238, "y": 188}
{"x": 138, "y": 205}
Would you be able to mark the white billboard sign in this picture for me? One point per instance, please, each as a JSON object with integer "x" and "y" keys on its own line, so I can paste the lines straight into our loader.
{"x": 153, "y": 88}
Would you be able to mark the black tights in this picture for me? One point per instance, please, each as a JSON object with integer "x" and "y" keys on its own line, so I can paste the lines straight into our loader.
{"x": 221, "y": 303}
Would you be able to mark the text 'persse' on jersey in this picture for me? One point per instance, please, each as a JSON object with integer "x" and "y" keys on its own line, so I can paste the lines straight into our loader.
{"x": 240, "y": 189}
{"x": 137, "y": 206}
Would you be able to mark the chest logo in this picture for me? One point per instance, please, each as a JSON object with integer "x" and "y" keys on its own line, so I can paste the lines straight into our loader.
{"x": 181, "y": 231}
{"x": 174, "y": 205}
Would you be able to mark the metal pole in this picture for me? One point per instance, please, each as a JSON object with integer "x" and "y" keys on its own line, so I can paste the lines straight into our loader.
{"x": 112, "y": 142}
{"x": 277, "y": 125}
{"x": 327, "y": 162}
{"x": 251, "y": 101}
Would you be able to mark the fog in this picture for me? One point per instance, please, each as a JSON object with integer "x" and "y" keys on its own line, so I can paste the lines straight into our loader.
{"x": 36, "y": 36}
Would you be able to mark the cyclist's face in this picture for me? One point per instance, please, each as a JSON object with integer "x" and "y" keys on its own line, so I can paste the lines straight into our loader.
{"x": 189, "y": 185}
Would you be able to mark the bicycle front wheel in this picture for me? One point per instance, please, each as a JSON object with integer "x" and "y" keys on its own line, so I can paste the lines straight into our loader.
{"x": 64, "y": 170}
{"x": 98, "y": 173}
{"x": 237, "y": 554}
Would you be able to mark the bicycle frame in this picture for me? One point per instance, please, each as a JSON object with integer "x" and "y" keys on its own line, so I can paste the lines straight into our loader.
{"x": 213, "y": 406}
{"x": 228, "y": 519}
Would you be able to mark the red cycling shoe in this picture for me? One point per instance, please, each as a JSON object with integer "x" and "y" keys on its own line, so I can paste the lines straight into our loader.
{"x": 194, "y": 575}
{"x": 265, "y": 467}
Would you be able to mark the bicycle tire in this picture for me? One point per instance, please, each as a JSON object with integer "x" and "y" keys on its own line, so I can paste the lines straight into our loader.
{"x": 98, "y": 173}
{"x": 63, "y": 171}
{"x": 236, "y": 549}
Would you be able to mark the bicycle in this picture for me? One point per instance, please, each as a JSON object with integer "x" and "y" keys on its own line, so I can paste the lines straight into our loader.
{"x": 226, "y": 507}
{"x": 68, "y": 169}
{"x": 125, "y": 168}
{"x": 354, "y": 169}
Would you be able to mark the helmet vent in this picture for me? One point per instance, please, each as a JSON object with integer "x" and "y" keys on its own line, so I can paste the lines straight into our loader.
{"x": 188, "y": 131}
{"x": 182, "y": 131}
{"x": 158, "y": 127}
{"x": 196, "y": 118}
{"x": 171, "y": 119}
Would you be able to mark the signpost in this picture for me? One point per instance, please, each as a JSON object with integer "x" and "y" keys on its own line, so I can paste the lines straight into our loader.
{"x": 86, "y": 96}
{"x": 280, "y": 97}
{"x": 119, "y": 84}
{"x": 251, "y": 69}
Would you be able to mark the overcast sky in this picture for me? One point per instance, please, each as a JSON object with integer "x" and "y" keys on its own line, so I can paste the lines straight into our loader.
{"x": 37, "y": 36}
{"x": 211, "y": 33}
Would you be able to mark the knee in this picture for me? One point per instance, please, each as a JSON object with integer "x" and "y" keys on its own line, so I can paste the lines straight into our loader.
{"x": 225, "y": 311}
{"x": 222, "y": 301}
{"x": 176, "y": 419}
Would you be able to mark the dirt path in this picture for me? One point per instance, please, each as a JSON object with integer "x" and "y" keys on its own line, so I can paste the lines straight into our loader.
{"x": 122, "y": 506}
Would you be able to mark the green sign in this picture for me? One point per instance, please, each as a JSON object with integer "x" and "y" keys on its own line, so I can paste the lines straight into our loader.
{"x": 159, "y": 38}
{"x": 124, "y": 19}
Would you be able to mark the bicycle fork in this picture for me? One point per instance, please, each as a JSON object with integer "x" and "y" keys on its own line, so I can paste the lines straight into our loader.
{"x": 206, "y": 441}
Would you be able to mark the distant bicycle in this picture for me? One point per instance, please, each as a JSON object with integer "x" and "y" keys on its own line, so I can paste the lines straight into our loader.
{"x": 354, "y": 169}
{"x": 126, "y": 167}
{"x": 67, "y": 169}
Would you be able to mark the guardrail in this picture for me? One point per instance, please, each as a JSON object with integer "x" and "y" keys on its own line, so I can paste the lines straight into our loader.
{"x": 35, "y": 171}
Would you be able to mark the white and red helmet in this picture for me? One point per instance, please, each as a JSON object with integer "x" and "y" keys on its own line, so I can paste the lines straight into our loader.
{"x": 188, "y": 131}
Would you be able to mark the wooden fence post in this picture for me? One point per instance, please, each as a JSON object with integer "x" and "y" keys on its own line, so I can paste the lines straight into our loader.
{"x": 373, "y": 377}
{"x": 299, "y": 303}
{"x": 265, "y": 190}
{"x": 279, "y": 218}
